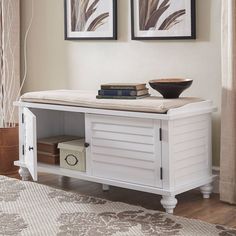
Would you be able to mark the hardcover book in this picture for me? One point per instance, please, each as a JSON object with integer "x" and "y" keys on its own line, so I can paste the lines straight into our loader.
{"x": 134, "y": 86}
{"x": 122, "y": 97}
{"x": 122, "y": 92}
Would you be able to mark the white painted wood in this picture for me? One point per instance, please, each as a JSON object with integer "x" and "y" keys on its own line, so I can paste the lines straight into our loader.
{"x": 91, "y": 110}
{"x": 88, "y": 138}
{"x": 125, "y": 129}
{"x": 158, "y": 154}
{"x": 30, "y": 157}
{"x": 123, "y": 145}
{"x": 189, "y": 178}
{"x": 51, "y": 169}
{"x": 24, "y": 173}
{"x": 192, "y": 172}
{"x": 169, "y": 203}
{"x": 125, "y": 149}
{"x": 190, "y": 128}
{"x": 190, "y": 161}
{"x": 123, "y": 121}
{"x": 206, "y": 190}
{"x": 124, "y": 173}
{"x": 74, "y": 124}
{"x": 189, "y": 136}
{"x": 189, "y": 120}
{"x": 181, "y": 147}
{"x": 209, "y": 144}
{"x": 190, "y": 149}
{"x": 190, "y": 153}
{"x": 133, "y": 138}
{"x": 167, "y": 155}
{"x": 105, "y": 187}
{"x": 21, "y": 135}
{"x": 130, "y": 154}
{"x": 191, "y": 185}
{"x": 116, "y": 166}
{"x": 194, "y": 109}
{"x": 20, "y": 163}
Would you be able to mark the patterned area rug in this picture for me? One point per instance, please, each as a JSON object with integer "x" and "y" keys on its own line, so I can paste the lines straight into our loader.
{"x": 28, "y": 208}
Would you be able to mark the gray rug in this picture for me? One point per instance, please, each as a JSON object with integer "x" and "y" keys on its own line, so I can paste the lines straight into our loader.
{"x": 28, "y": 208}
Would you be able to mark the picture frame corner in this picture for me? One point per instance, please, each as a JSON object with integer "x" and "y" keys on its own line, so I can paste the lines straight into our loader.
{"x": 192, "y": 23}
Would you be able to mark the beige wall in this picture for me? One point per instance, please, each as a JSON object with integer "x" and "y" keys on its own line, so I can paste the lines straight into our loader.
{"x": 11, "y": 60}
{"x": 55, "y": 63}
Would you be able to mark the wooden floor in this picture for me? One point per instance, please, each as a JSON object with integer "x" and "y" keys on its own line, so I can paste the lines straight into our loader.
{"x": 191, "y": 204}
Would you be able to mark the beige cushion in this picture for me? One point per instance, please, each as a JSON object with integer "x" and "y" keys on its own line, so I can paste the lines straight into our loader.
{"x": 83, "y": 98}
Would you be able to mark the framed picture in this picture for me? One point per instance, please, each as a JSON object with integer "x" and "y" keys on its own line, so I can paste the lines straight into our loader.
{"x": 163, "y": 19}
{"x": 90, "y": 19}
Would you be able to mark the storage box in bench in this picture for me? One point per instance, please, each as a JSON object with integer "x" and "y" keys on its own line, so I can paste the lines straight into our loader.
{"x": 72, "y": 155}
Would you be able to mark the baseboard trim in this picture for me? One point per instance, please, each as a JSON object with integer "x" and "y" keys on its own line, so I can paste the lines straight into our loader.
{"x": 216, "y": 168}
{"x": 216, "y": 184}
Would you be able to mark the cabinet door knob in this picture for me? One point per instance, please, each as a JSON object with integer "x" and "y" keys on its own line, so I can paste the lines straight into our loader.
{"x": 31, "y": 148}
{"x": 86, "y": 145}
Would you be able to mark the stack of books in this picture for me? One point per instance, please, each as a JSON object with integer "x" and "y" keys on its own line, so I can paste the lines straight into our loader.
{"x": 123, "y": 91}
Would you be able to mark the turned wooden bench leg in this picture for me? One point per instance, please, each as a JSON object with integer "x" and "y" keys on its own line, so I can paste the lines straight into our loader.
{"x": 169, "y": 203}
{"x": 105, "y": 187}
{"x": 24, "y": 173}
{"x": 206, "y": 190}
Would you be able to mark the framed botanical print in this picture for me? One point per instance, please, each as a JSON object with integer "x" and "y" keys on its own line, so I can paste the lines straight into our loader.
{"x": 163, "y": 19}
{"x": 90, "y": 19}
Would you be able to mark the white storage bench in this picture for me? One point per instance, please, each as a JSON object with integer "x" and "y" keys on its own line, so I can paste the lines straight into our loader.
{"x": 152, "y": 145}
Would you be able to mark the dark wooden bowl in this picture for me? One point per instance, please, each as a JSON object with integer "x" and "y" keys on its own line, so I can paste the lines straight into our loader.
{"x": 170, "y": 88}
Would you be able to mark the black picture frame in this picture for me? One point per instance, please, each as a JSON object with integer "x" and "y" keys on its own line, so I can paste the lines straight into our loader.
{"x": 76, "y": 35}
{"x": 154, "y": 34}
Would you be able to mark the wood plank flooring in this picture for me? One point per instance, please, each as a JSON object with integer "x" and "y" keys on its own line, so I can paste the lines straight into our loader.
{"x": 191, "y": 204}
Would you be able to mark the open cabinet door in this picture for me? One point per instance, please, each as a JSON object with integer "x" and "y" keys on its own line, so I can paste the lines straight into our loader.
{"x": 30, "y": 143}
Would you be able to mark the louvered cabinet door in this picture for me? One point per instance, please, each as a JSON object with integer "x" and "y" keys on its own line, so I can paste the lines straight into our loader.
{"x": 125, "y": 149}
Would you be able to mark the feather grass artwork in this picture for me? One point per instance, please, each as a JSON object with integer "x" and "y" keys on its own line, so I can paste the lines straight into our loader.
{"x": 151, "y": 11}
{"x": 81, "y": 12}
{"x": 89, "y": 19}
{"x": 166, "y": 19}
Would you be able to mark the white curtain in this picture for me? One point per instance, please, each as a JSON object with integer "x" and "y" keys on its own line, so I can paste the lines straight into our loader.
{"x": 228, "y": 123}
{"x": 9, "y": 58}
